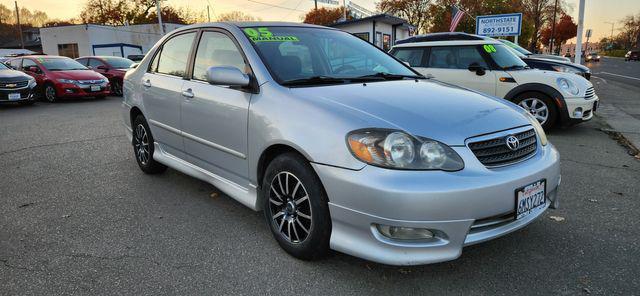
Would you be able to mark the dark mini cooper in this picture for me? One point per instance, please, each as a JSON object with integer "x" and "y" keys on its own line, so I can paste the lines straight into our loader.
{"x": 16, "y": 86}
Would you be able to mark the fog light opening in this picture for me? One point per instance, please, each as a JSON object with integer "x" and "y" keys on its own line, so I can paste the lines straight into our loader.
{"x": 405, "y": 233}
{"x": 577, "y": 112}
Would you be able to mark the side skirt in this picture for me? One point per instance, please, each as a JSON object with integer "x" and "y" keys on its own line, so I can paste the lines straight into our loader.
{"x": 246, "y": 196}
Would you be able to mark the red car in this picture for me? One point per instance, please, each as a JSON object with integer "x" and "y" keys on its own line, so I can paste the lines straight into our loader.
{"x": 59, "y": 77}
{"x": 111, "y": 67}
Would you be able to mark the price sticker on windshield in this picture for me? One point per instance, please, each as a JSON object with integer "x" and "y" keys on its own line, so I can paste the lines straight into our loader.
{"x": 264, "y": 35}
{"x": 489, "y": 48}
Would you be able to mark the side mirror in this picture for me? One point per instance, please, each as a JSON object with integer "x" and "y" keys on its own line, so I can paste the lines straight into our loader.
{"x": 474, "y": 67}
{"x": 33, "y": 69}
{"x": 227, "y": 75}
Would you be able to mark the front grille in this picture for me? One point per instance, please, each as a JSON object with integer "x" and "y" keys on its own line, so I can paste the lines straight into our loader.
{"x": 492, "y": 222}
{"x": 589, "y": 94}
{"x": 14, "y": 85}
{"x": 495, "y": 152}
{"x": 90, "y": 81}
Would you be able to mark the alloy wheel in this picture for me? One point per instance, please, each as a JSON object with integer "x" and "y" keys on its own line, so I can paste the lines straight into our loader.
{"x": 50, "y": 93}
{"x": 141, "y": 144}
{"x": 290, "y": 207}
{"x": 537, "y": 108}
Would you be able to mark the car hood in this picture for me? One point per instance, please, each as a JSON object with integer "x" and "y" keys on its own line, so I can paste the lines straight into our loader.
{"x": 549, "y": 78}
{"x": 12, "y": 76}
{"x": 76, "y": 75}
{"x": 424, "y": 108}
{"x": 559, "y": 62}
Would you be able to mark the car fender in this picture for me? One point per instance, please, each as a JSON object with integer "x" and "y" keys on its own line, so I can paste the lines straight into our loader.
{"x": 553, "y": 93}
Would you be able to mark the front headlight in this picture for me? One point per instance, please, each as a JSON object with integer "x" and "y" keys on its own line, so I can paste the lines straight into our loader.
{"x": 566, "y": 69}
{"x": 567, "y": 86}
{"x": 67, "y": 81}
{"x": 397, "y": 150}
{"x": 32, "y": 82}
{"x": 538, "y": 128}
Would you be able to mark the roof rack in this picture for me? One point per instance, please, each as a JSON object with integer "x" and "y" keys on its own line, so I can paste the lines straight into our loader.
{"x": 445, "y": 36}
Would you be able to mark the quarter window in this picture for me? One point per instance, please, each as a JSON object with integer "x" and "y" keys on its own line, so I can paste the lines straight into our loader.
{"x": 216, "y": 49}
{"x": 452, "y": 57}
{"x": 175, "y": 54}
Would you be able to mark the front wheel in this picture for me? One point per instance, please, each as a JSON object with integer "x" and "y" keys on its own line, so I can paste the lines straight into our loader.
{"x": 50, "y": 93}
{"x": 540, "y": 106}
{"x": 296, "y": 208}
{"x": 143, "y": 147}
{"x": 116, "y": 88}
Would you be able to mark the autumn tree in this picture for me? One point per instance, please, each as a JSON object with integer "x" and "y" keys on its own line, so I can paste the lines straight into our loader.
{"x": 565, "y": 30}
{"x": 324, "y": 16}
{"x": 629, "y": 34}
{"x": 414, "y": 11}
{"x": 538, "y": 13}
{"x": 236, "y": 16}
{"x": 121, "y": 12}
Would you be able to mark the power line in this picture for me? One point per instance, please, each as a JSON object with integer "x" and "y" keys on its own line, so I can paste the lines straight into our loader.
{"x": 277, "y": 6}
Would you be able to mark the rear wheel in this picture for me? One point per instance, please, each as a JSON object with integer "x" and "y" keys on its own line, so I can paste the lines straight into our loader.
{"x": 143, "y": 147}
{"x": 50, "y": 93}
{"x": 540, "y": 106}
{"x": 296, "y": 208}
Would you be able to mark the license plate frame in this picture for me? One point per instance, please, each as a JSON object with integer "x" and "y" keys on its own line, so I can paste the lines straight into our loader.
{"x": 95, "y": 88}
{"x": 14, "y": 96}
{"x": 522, "y": 207}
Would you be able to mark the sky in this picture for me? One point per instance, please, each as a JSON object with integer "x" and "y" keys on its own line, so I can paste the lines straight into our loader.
{"x": 597, "y": 12}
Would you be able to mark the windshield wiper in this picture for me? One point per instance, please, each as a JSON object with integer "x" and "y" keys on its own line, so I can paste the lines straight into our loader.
{"x": 315, "y": 80}
{"x": 388, "y": 76}
{"x": 515, "y": 67}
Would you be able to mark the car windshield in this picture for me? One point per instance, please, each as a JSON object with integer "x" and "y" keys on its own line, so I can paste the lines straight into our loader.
{"x": 118, "y": 62}
{"x": 503, "y": 57}
{"x": 60, "y": 64}
{"x": 516, "y": 47}
{"x": 310, "y": 56}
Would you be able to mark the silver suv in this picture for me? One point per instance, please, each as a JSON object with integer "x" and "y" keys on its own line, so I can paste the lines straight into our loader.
{"x": 338, "y": 143}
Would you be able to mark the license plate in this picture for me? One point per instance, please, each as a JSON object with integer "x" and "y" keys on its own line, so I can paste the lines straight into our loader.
{"x": 14, "y": 97}
{"x": 530, "y": 198}
{"x": 95, "y": 88}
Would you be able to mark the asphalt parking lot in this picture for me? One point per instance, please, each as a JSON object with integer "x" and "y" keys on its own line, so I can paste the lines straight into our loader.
{"x": 77, "y": 216}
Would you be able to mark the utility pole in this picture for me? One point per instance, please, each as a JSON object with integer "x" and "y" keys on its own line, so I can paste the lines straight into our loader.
{"x": 578, "y": 58}
{"x": 316, "y": 2}
{"x": 159, "y": 12}
{"x": 344, "y": 11}
{"x": 610, "y": 38}
{"x": 553, "y": 28}
{"x": 19, "y": 25}
{"x": 208, "y": 14}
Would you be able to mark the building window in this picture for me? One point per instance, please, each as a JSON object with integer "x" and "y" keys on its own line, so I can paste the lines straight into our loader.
{"x": 386, "y": 42}
{"x": 364, "y": 36}
{"x": 379, "y": 39}
{"x": 68, "y": 50}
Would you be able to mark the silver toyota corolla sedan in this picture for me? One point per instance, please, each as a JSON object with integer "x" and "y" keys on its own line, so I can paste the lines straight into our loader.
{"x": 338, "y": 143}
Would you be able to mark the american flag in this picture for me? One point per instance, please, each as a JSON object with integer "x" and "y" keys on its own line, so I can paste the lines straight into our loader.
{"x": 456, "y": 16}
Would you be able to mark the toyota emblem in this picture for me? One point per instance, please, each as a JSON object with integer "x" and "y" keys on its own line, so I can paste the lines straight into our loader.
{"x": 512, "y": 142}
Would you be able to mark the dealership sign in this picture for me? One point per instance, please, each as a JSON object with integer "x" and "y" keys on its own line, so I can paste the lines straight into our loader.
{"x": 499, "y": 24}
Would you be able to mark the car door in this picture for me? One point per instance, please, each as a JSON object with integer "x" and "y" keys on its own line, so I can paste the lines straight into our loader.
{"x": 214, "y": 117}
{"x": 451, "y": 64}
{"x": 161, "y": 92}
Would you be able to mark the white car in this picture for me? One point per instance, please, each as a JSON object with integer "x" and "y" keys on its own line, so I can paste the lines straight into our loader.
{"x": 488, "y": 66}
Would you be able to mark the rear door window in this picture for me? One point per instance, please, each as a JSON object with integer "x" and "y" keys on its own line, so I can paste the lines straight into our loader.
{"x": 93, "y": 63}
{"x": 455, "y": 57}
{"x": 16, "y": 63}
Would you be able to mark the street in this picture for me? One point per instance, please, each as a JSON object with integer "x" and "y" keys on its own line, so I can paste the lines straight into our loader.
{"x": 77, "y": 216}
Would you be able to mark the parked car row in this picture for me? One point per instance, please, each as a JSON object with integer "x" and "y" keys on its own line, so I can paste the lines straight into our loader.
{"x": 57, "y": 77}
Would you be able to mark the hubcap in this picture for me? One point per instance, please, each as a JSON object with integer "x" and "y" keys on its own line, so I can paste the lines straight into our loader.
{"x": 537, "y": 108}
{"x": 290, "y": 207}
{"x": 141, "y": 144}
{"x": 50, "y": 93}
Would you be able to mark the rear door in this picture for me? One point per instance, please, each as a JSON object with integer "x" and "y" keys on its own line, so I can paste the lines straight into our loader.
{"x": 451, "y": 64}
{"x": 161, "y": 92}
{"x": 214, "y": 117}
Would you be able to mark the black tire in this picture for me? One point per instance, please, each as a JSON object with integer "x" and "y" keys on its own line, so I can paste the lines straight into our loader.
{"x": 552, "y": 109}
{"x": 116, "y": 88}
{"x": 287, "y": 221}
{"x": 143, "y": 147}
{"x": 27, "y": 102}
{"x": 101, "y": 97}
{"x": 49, "y": 93}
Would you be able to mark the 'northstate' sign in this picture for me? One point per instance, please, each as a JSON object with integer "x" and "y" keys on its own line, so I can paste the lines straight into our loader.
{"x": 499, "y": 25}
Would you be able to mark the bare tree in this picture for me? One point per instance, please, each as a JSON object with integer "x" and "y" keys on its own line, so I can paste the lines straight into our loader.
{"x": 414, "y": 11}
{"x": 236, "y": 16}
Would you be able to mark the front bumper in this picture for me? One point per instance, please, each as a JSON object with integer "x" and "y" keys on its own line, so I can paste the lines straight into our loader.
{"x": 580, "y": 110}
{"x": 454, "y": 204}
{"x": 26, "y": 94}
{"x": 71, "y": 90}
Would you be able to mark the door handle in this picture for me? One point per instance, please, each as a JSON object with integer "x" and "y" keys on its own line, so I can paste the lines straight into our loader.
{"x": 146, "y": 83}
{"x": 187, "y": 93}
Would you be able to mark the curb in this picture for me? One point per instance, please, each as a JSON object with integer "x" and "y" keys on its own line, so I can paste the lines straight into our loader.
{"x": 624, "y": 124}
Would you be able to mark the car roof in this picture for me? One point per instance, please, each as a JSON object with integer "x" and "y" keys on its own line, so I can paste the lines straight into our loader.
{"x": 448, "y": 43}
{"x": 251, "y": 24}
